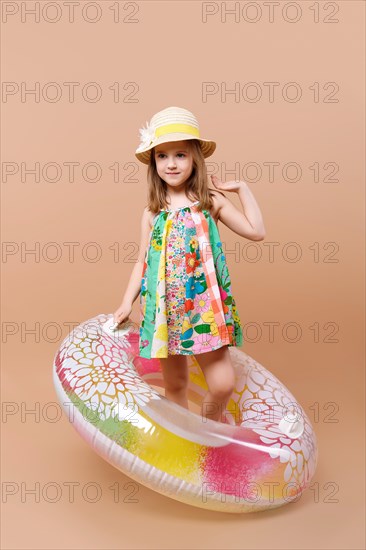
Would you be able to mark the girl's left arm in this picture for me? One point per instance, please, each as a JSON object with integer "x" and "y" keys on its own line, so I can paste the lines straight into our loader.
{"x": 248, "y": 223}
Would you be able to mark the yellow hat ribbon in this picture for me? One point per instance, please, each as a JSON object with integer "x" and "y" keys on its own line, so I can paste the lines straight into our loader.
{"x": 177, "y": 129}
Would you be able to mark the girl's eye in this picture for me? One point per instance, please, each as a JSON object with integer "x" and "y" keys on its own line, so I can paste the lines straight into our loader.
{"x": 159, "y": 155}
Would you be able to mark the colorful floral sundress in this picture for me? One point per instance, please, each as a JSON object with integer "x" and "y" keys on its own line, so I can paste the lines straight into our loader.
{"x": 186, "y": 303}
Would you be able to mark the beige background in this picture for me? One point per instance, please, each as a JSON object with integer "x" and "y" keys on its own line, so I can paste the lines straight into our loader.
{"x": 169, "y": 53}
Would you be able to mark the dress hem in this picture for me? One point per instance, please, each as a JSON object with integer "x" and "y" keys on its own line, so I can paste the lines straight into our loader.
{"x": 201, "y": 353}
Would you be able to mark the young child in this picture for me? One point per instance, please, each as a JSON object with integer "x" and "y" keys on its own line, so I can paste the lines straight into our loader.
{"x": 186, "y": 302}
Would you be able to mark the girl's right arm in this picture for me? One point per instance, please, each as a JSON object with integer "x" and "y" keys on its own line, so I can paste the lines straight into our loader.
{"x": 134, "y": 284}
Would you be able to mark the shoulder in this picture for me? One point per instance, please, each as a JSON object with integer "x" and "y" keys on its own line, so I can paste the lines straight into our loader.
{"x": 147, "y": 216}
{"x": 217, "y": 195}
{"x": 218, "y": 201}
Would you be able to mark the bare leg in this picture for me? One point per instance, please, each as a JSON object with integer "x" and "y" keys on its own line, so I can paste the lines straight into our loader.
{"x": 175, "y": 373}
{"x": 220, "y": 377}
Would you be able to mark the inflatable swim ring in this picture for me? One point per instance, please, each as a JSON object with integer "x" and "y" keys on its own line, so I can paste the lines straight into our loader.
{"x": 264, "y": 458}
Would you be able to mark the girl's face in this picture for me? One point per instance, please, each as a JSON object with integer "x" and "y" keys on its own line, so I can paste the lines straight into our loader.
{"x": 174, "y": 162}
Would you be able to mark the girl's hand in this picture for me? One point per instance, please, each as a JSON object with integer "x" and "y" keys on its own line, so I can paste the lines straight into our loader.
{"x": 232, "y": 186}
{"x": 122, "y": 313}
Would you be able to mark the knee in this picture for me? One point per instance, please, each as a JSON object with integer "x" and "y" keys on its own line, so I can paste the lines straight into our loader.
{"x": 177, "y": 384}
{"x": 175, "y": 373}
{"x": 223, "y": 390}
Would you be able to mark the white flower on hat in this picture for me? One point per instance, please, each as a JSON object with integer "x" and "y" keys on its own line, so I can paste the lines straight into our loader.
{"x": 147, "y": 136}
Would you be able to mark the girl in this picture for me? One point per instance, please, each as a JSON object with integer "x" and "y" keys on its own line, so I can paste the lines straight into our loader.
{"x": 186, "y": 303}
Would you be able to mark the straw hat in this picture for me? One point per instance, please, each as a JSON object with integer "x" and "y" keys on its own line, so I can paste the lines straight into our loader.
{"x": 171, "y": 124}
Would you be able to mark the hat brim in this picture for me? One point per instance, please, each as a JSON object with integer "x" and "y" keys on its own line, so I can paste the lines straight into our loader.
{"x": 207, "y": 146}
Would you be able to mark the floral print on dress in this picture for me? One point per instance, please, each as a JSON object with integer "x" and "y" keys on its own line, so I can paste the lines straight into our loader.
{"x": 186, "y": 303}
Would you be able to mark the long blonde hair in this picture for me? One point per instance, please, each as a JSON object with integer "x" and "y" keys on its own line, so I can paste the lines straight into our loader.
{"x": 196, "y": 185}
